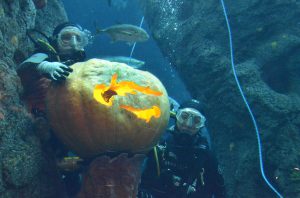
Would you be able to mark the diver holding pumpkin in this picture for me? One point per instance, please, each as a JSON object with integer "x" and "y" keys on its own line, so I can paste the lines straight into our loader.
{"x": 50, "y": 63}
{"x": 183, "y": 164}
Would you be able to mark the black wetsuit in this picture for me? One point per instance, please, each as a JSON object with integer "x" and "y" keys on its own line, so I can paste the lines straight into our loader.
{"x": 183, "y": 161}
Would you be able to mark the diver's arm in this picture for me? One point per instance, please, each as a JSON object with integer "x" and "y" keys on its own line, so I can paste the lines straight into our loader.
{"x": 27, "y": 70}
{"x": 37, "y": 65}
{"x": 205, "y": 134}
{"x": 32, "y": 62}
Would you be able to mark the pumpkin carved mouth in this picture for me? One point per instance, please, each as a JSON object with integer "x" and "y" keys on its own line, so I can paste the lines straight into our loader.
{"x": 144, "y": 114}
{"x": 104, "y": 95}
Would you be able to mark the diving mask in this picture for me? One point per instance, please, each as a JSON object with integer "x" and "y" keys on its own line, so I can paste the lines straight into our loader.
{"x": 189, "y": 120}
{"x": 72, "y": 38}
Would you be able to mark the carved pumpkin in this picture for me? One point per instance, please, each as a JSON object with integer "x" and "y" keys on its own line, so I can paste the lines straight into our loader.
{"x": 106, "y": 106}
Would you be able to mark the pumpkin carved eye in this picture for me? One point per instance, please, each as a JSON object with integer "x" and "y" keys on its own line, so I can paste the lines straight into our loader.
{"x": 108, "y": 94}
{"x": 104, "y": 95}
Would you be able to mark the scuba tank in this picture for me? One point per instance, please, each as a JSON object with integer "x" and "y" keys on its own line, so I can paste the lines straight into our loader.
{"x": 41, "y": 45}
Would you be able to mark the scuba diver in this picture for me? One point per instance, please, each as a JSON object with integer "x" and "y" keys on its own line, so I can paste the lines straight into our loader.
{"x": 182, "y": 165}
{"x": 50, "y": 63}
{"x": 174, "y": 106}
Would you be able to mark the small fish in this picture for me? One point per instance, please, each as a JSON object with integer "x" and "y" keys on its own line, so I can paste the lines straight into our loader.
{"x": 125, "y": 32}
{"x": 132, "y": 62}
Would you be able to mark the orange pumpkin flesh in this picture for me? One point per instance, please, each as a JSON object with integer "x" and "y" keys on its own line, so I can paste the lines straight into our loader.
{"x": 89, "y": 127}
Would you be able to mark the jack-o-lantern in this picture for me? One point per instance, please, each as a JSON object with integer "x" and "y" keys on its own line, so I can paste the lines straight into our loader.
{"x": 108, "y": 107}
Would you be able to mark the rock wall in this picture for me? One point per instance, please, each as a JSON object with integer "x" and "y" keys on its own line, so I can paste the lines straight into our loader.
{"x": 193, "y": 35}
{"x": 26, "y": 170}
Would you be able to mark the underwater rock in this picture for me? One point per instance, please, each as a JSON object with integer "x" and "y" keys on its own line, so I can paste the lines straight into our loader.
{"x": 111, "y": 178}
{"x": 23, "y": 163}
{"x": 193, "y": 35}
{"x": 50, "y": 16}
{"x": 26, "y": 170}
{"x": 9, "y": 1}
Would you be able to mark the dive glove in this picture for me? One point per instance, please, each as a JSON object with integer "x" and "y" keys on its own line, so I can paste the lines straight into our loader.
{"x": 144, "y": 194}
{"x": 56, "y": 70}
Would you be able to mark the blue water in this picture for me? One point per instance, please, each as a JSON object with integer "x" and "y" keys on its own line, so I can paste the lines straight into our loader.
{"x": 87, "y": 13}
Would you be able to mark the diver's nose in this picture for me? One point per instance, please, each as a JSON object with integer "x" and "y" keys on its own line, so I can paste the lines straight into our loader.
{"x": 189, "y": 122}
{"x": 73, "y": 42}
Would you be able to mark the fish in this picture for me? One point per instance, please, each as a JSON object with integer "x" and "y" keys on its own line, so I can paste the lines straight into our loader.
{"x": 132, "y": 62}
{"x": 125, "y": 32}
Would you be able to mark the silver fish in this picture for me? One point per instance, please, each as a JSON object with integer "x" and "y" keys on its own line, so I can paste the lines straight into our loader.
{"x": 132, "y": 62}
{"x": 125, "y": 32}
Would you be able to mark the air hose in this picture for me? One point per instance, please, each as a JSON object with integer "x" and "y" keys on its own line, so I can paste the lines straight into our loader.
{"x": 133, "y": 47}
{"x": 246, "y": 103}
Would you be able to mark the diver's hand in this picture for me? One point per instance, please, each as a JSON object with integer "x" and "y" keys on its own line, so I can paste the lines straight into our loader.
{"x": 144, "y": 194}
{"x": 191, "y": 189}
{"x": 69, "y": 164}
{"x": 56, "y": 70}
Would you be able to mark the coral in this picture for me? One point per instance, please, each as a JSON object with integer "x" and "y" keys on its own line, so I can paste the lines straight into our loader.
{"x": 39, "y": 4}
{"x": 24, "y": 172}
{"x": 116, "y": 177}
{"x": 295, "y": 176}
{"x": 14, "y": 41}
{"x": 2, "y": 14}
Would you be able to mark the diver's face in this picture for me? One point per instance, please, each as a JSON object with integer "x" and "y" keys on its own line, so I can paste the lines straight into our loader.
{"x": 189, "y": 120}
{"x": 71, "y": 39}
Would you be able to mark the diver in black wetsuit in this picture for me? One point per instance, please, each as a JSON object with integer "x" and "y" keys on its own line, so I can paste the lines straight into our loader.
{"x": 183, "y": 166}
{"x": 50, "y": 63}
